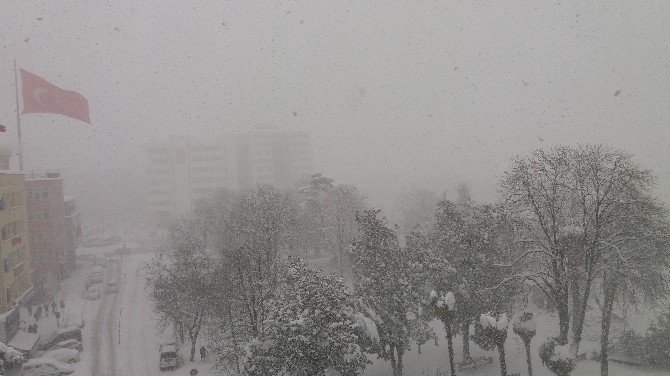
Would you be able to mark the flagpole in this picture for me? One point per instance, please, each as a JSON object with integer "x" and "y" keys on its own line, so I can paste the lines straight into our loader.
{"x": 18, "y": 116}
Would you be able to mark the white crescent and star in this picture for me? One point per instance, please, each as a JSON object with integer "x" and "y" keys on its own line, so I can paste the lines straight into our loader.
{"x": 37, "y": 96}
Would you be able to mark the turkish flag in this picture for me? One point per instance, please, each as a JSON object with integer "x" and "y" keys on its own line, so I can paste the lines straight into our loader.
{"x": 41, "y": 96}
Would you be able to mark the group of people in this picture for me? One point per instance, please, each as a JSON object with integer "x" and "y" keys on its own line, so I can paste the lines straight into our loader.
{"x": 37, "y": 313}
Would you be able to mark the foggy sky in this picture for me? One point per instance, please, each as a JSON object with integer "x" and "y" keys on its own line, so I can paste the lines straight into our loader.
{"x": 397, "y": 95}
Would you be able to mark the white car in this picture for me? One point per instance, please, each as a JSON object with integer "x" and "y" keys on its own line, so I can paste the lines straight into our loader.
{"x": 93, "y": 293}
{"x": 63, "y": 355}
{"x": 45, "y": 367}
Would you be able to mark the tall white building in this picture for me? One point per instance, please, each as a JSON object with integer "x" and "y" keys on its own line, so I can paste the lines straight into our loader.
{"x": 182, "y": 170}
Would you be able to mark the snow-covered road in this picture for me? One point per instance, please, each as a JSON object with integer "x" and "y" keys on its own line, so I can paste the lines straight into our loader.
{"x": 127, "y": 333}
{"x": 104, "y": 334}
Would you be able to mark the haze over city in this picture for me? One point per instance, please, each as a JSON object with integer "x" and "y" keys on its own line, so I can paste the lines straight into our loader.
{"x": 484, "y": 165}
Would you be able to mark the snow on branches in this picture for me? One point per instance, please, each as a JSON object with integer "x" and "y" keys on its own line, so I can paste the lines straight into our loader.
{"x": 311, "y": 326}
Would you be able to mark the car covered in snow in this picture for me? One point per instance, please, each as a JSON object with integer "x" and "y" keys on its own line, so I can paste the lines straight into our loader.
{"x": 169, "y": 356}
{"x": 69, "y": 333}
{"x": 112, "y": 286}
{"x": 63, "y": 355}
{"x": 44, "y": 366}
{"x": 69, "y": 344}
{"x": 93, "y": 293}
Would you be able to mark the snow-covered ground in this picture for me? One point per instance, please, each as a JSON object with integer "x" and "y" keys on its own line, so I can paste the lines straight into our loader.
{"x": 434, "y": 359}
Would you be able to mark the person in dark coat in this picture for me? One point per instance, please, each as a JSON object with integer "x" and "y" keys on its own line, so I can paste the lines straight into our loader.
{"x": 46, "y": 309}
{"x": 203, "y": 353}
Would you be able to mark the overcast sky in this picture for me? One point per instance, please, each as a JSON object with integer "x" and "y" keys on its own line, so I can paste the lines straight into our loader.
{"x": 398, "y": 94}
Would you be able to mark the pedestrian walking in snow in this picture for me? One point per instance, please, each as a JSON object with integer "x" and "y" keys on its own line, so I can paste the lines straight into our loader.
{"x": 46, "y": 310}
{"x": 38, "y": 313}
{"x": 53, "y": 306}
{"x": 30, "y": 309}
{"x": 203, "y": 353}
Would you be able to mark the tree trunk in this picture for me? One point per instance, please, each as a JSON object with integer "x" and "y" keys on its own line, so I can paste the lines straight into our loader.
{"x": 401, "y": 353}
{"x": 579, "y": 315}
{"x": 450, "y": 347}
{"x": 465, "y": 331}
{"x": 605, "y": 329}
{"x": 528, "y": 357}
{"x": 563, "y": 322}
{"x": 503, "y": 364}
{"x": 394, "y": 366}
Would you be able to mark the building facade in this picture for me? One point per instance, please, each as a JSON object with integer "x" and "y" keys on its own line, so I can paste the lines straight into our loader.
{"x": 46, "y": 226}
{"x": 182, "y": 170}
{"x": 15, "y": 284}
{"x": 278, "y": 157}
{"x": 72, "y": 235}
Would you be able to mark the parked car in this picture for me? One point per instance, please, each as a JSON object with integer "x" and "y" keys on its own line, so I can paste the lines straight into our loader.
{"x": 95, "y": 278}
{"x": 44, "y": 366}
{"x": 63, "y": 355}
{"x": 93, "y": 293}
{"x": 70, "y": 344}
{"x": 61, "y": 335}
{"x": 169, "y": 356}
{"x": 113, "y": 286}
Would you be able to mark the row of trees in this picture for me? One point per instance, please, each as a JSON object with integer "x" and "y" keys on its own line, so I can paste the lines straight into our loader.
{"x": 580, "y": 224}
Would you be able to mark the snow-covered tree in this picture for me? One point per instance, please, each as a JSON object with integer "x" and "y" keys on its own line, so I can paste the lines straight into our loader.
{"x": 525, "y": 327}
{"x": 10, "y": 357}
{"x": 253, "y": 234}
{"x": 444, "y": 305}
{"x": 416, "y": 208}
{"x": 572, "y": 203}
{"x": 311, "y": 328}
{"x": 473, "y": 240}
{"x": 494, "y": 327}
{"x": 386, "y": 282}
{"x": 180, "y": 278}
{"x": 634, "y": 263}
{"x": 557, "y": 357}
{"x": 327, "y": 218}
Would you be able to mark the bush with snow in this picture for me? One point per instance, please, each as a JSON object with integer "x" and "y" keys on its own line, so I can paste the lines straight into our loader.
{"x": 524, "y": 326}
{"x": 495, "y": 326}
{"x": 558, "y": 358}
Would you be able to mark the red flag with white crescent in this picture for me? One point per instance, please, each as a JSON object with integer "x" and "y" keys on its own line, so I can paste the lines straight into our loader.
{"x": 41, "y": 96}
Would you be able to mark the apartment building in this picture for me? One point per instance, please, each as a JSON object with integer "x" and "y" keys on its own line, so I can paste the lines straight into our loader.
{"x": 182, "y": 170}
{"x": 72, "y": 235}
{"x": 15, "y": 283}
{"x": 46, "y": 226}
